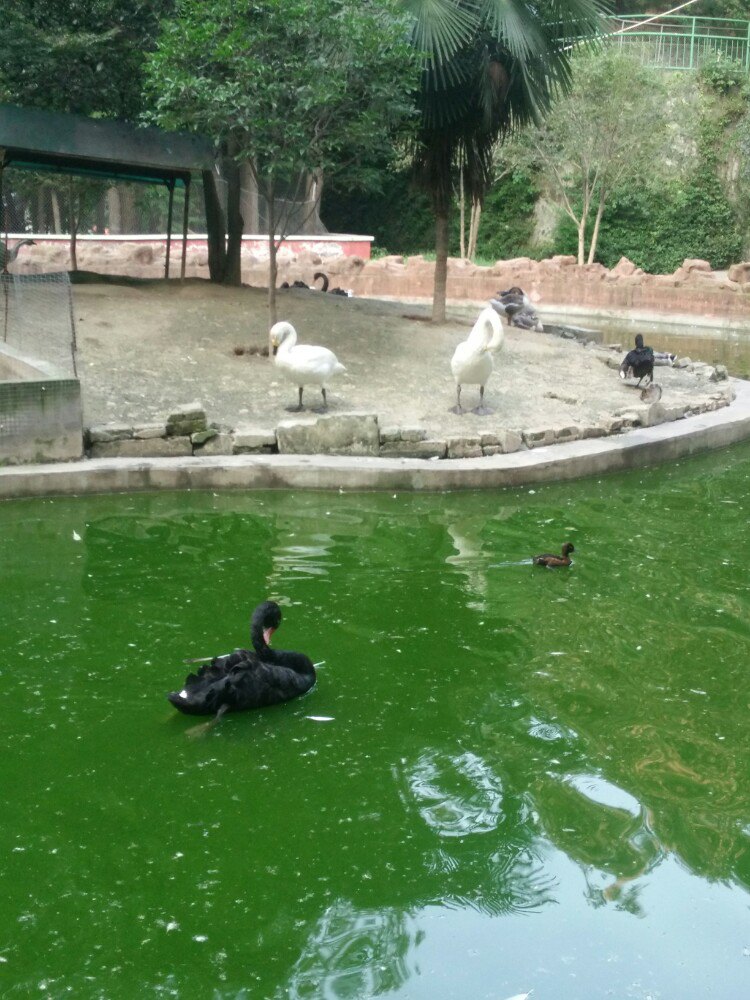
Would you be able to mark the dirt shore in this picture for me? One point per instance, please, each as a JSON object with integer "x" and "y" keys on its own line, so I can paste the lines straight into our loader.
{"x": 148, "y": 347}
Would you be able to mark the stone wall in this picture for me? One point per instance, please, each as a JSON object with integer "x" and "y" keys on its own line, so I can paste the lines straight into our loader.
{"x": 693, "y": 289}
{"x": 187, "y": 432}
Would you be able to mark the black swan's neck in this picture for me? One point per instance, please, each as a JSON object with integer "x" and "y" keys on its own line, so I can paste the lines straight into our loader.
{"x": 298, "y": 662}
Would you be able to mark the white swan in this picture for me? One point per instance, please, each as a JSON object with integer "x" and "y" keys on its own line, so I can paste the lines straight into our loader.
{"x": 471, "y": 363}
{"x": 303, "y": 364}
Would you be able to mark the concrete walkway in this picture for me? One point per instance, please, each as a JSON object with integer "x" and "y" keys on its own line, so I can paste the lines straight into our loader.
{"x": 633, "y": 449}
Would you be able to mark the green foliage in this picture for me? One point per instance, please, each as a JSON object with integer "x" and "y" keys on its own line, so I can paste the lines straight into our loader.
{"x": 722, "y": 74}
{"x": 83, "y": 56}
{"x": 400, "y": 217}
{"x": 292, "y": 86}
{"x": 397, "y": 215}
{"x": 507, "y": 222}
{"x": 657, "y": 229}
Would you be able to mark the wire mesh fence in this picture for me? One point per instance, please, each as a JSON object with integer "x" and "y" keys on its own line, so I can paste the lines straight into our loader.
{"x": 37, "y": 318}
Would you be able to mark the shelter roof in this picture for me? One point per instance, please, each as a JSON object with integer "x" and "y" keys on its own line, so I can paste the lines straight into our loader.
{"x": 116, "y": 150}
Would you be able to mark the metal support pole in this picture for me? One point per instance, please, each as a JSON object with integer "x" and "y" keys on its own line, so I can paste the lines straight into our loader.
{"x": 170, "y": 185}
{"x": 185, "y": 212}
{"x": 692, "y": 42}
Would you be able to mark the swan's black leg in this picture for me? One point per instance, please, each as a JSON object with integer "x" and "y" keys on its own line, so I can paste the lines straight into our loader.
{"x": 296, "y": 409}
{"x": 324, "y": 407}
{"x": 457, "y": 408}
{"x": 482, "y": 410}
{"x": 205, "y": 727}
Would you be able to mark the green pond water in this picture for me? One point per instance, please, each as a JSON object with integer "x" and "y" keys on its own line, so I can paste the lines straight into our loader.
{"x": 529, "y": 780}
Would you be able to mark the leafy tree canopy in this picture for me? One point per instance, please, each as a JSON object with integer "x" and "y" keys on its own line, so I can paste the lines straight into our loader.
{"x": 290, "y": 85}
{"x": 82, "y": 56}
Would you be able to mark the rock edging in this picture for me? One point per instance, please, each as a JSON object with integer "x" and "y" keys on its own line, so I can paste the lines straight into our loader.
{"x": 186, "y": 432}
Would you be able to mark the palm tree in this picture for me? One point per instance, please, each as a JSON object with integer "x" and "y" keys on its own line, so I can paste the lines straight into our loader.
{"x": 490, "y": 67}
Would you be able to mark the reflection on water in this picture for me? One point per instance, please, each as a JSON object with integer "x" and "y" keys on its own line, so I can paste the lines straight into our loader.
{"x": 513, "y": 757}
{"x": 354, "y": 953}
{"x": 456, "y": 795}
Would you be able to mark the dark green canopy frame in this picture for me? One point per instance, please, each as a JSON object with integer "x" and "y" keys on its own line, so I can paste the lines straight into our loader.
{"x": 112, "y": 150}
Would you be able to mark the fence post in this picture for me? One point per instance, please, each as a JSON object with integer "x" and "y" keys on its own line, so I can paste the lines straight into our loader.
{"x": 747, "y": 49}
{"x": 692, "y": 41}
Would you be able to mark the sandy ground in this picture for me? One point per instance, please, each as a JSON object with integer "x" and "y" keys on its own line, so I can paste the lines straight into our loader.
{"x": 149, "y": 347}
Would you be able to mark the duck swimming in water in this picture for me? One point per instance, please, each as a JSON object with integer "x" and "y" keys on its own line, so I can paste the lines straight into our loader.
{"x": 247, "y": 678}
{"x": 549, "y": 560}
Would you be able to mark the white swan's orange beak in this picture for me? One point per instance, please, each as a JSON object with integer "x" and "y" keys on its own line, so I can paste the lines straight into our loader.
{"x": 267, "y": 633}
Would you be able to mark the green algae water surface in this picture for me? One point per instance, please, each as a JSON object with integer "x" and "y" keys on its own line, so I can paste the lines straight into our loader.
{"x": 526, "y": 779}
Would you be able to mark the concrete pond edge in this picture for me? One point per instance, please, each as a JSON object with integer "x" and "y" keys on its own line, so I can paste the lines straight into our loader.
{"x": 579, "y": 459}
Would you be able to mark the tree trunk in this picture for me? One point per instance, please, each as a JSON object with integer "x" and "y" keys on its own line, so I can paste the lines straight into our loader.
{"x": 128, "y": 213}
{"x": 441, "y": 266}
{"x": 595, "y": 234}
{"x": 249, "y": 198}
{"x": 272, "y": 265}
{"x": 56, "y": 219}
{"x": 113, "y": 203}
{"x": 462, "y": 221}
{"x": 581, "y": 239}
{"x": 215, "y": 228}
{"x": 41, "y": 214}
{"x": 233, "y": 271}
{"x": 476, "y": 215}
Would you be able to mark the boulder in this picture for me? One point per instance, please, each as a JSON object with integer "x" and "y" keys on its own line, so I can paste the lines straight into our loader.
{"x": 538, "y": 437}
{"x": 218, "y": 444}
{"x": 330, "y": 434}
{"x": 739, "y": 272}
{"x": 389, "y": 434}
{"x": 625, "y": 268}
{"x": 186, "y": 420}
{"x": 109, "y": 432}
{"x": 149, "y": 431}
{"x": 253, "y": 439}
{"x": 696, "y": 264}
{"x": 464, "y": 447}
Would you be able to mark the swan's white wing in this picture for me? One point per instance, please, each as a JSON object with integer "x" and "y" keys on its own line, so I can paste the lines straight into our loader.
{"x": 305, "y": 362}
{"x": 471, "y": 366}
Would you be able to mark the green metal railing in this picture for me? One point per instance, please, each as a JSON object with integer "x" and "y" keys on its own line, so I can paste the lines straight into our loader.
{"x": 679, "y": 42}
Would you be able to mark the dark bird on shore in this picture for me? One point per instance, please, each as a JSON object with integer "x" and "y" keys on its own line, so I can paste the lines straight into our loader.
{"x": 515, "y": 305}
{"x": 324, "y": 288}
{"x": 638, "y": 363}
{"x": 7, "y": 256}
{"x": 550, "y": 560}
{"x": 247, "y": 678}
{"x": 294, "y": 284}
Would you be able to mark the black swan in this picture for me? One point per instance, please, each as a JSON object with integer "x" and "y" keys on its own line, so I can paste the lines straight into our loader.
{"x": 8, "y": 256}
{"x": 549, "y": 560}
{"x": 246, "y": 679}
{"x": 325, "y": 288}
{"x": 639, "y": 362}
